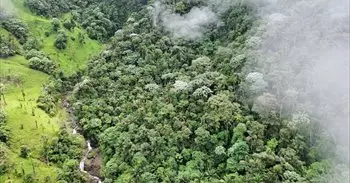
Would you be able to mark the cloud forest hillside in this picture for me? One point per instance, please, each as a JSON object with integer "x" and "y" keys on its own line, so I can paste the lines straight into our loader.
{"x": 180, "y": 91}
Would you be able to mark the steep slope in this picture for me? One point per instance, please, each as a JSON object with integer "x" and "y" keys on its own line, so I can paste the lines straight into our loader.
{"x": 29, "y": 126}
{"x": 71, "y": 59}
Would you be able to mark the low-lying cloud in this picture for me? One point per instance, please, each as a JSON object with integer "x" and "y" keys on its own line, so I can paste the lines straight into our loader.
{"x": 305, "y": 49}
{"x": 6, "y": 8}
{"x": 188, "y": 26}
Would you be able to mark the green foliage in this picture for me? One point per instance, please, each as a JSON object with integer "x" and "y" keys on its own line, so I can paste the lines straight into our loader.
{"x": 26, "y": 129}
{"x": 3, "y": 117}
{"x": 47, "y": 8}
{"x": 168, "y": 110}
{"x": 29, "y": 178}
{"x": 66, "y": 146}
{"x": 39, "y": 61}
{"x": 70, "y": 172}
{"x": 239, "y": 132}
{"x": 17, "y": 28}
{"x": 97, "y": 25}
{"x": 4, "y": 159}
{"x": 164, "y": 109}
{"x": 49, "y": 96}
{"x": 238, "y": 151}
{"x": 34, "y": 53}
{"x": 69, "y": 24}
{"x": 55, "y": 24}
{"x": 61, "y": 40}
{"x": 42, "y": 64}
{"x": 7, "y": 46}
{"x": 100, "y": 18}
{"x": 32, "y": 43}
{"x": 272, "y": 144}
{"x": 4, "y": 131}
{"x": 4, "y": 134}
{"x": 25, "y": 150}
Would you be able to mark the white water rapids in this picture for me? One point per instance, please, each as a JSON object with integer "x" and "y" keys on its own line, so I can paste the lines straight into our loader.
{"x": 88, "y": 144}
{"x": 82, "y": 162}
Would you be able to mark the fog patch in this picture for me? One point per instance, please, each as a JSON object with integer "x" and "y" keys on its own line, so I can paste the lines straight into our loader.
{"x": 304, "y": 52}
{"x": 188, "y": 26}
{"x": 6, "y": 8}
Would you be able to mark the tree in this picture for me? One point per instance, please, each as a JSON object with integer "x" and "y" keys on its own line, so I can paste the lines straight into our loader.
{"x": 42, "y": 64}
{"x": 69, "y": 24}
{"x": 5, "y": 164}
{"x": 55, "y": 24}
{"x": 4, "y": 134}
{"x": 17, "y": 28}
{"x": 70, "y": 172}
{"x": 24, "y": 151}
{"x": 253, "y": 86}
{"x": 32, "y": 43}
{"x": 265, "y": 104}
{"x": 2, "y": 93}
{"x": 164, "y": 109}
{"x": 29, "y": 178}
{"x": 61, "y": 40}
{"x": 7, "y": 46}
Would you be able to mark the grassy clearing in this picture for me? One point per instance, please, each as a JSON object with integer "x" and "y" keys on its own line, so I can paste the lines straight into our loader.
{"x": 75, "y": 56}
{"x": 27, "y": 128}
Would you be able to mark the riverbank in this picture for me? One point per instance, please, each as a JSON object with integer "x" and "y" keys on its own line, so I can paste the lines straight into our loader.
{"x": 90, "y": 157}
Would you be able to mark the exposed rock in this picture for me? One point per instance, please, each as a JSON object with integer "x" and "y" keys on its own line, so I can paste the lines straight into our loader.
{"x": 93, "y": 163}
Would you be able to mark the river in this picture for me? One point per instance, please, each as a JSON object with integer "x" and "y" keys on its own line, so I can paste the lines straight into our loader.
{"x": 88, "y": 149}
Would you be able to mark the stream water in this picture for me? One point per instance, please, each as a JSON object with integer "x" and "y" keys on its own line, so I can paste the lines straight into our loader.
{"x": 88, "y": 144}
{"x": 82, "y": 162}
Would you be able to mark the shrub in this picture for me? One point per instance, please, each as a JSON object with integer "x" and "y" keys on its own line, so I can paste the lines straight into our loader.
{"x": 17, "y": 28}
{"x": 7, "y": 46}
{"x": 47, "y": 103}
{"x": 4, "y": 160}
{"x": 24, "y": 151}
{"x": 69, "y": 24}
{"x": 55, "y": 24}
{"x": 3, "y": 117}
{"x": 49, "y": 97}
{"x": 34, "y": 53}
{"x": 65, "y": 146}
{"x": 42, "y": 64}
{"x": 61, "y": 40}
{"x": 4, "y": 132}
{"x": 29, "y": 178}
{"x": 32, "y": 43}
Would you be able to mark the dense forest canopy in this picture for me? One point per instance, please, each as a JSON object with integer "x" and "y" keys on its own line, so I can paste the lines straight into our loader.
{"x": 100, "y": 18}
{"x": 177, "y": 95}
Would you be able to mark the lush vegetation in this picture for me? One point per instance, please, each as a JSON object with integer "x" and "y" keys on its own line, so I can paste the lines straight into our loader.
{"x": 66, "y": 151}
{"x": 170, "y": 110}
{"x": 4, "y": 132}
{"x": 26, "y": 125}
{"x": 8, "y": 46}
{"x": 31, "y": 115}
{"x": 17, "y": 28}
{"x": 159, "y": 108}
{"x": 100, "y": 18}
